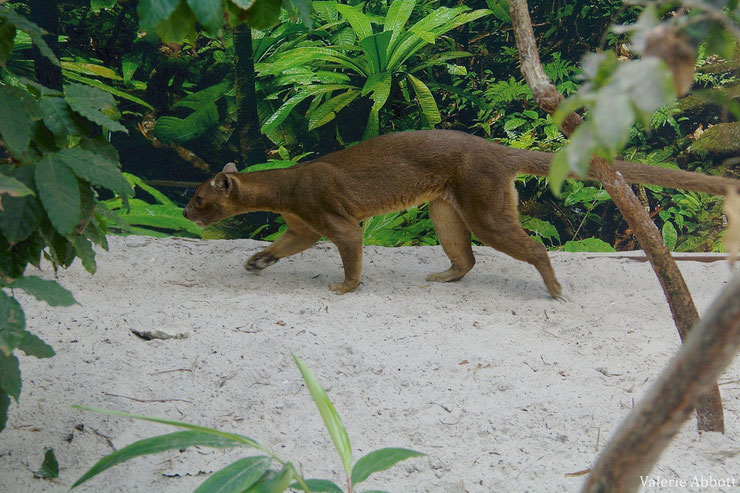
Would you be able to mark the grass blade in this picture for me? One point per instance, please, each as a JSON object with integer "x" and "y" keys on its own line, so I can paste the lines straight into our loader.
{"x": 237, "y": 476}
{"x": 332, "y": 420}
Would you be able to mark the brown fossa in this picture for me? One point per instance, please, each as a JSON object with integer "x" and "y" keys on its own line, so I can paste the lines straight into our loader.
{"x": 467, "y": 180}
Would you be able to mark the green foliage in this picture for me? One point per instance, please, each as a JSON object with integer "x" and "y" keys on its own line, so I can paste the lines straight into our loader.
{"x": 366, "y": 64}
{"x": 58, "y": 160}
{"x": 587, "y": 245}
{"x": 50, "y": 466}
{"x": 136, "y": 216}
{"x": 255, "y": 473}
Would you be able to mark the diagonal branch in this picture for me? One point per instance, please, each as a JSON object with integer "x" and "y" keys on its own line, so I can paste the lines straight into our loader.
{"x": 709, "y": 413}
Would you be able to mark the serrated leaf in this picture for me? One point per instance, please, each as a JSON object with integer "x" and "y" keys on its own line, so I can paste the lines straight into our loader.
{"x": 34, "y": 31}
{"x": 58, "y": 117}
{"x": 171, "y": 441}
{"x": 90, "y": 103}
{"x": 670, "y": 236}
{"x": 34, "y": 346}
{"x": 96, "y": 169}
{"x": 59, "y": 193}
{"x": 44, "y": 290}
{"x": 10, "y": 375}
{"x": 49, "y": 467}
{"x": 20, "y": 215}
{"x": 329, "y": 415}
{"x": 153, "y": 12}
{"x": 380, "y": 460}
{"x": 15, "y": 124}
{"x": 318, "y": 486}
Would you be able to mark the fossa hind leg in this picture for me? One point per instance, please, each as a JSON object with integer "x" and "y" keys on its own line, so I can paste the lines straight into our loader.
{"x": 299, "y": 237}
{"x": 498, "y": 227}
{"x": 454, "y": 237}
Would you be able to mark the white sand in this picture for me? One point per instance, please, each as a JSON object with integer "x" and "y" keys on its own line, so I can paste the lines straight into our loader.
{"x": 504, "y": 388}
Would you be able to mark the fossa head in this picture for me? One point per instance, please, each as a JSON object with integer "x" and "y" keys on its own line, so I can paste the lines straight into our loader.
{"x": 214, "y": 199}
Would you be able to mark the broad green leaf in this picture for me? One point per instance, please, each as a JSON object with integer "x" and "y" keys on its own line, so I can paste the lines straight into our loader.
{"x": 326, "y": 10}
{"x": 22, "y": 214}
{"x": 34, "y": 346}
{"x": 426, "y": 101}
{"x": 380, "y": 460}
{"x": 244, "y": 4}
{"x": 514, "y": 123}
{"x": 15, "y": 124}
{"x": 318, "y": 486}
{"x": 237, "y": 476}
{"x": 50, "y": 466}
{"x": 98, "y": 5}
{"x": 273, "y": 481}
{"x": 670, "y": 236}
{"x": 7, "y": 41}
{"x": 500, "y": 9}
{"x": 12, "y": 187}
{"x": 396, "y": 18}
{"x": 12, "y": 324}
{"x": 376, "y": 50}
{"x": 84, "y": 250}
{"x": 329, "y": 109}
{"x": 153, "y": 12}
{"x": 204, "y": 116}
{"x": 581, "y": 149}
{"x": 34, "y": 31}
{"x": 587, "y": 245}
{"x": 614, "y": 117}
{"x": 559, "y": 170}
{"x": 172, "y": 441}
{"x": 135, "y": 181}
{"x": 59, "y": 193}
{"x": 58, "y": 117}
{"x": 92, "y": 103}
{"x": 357, "y": 19}
{"x": 109, "y": 89}
{"x": 4, "y": 405}
{"x": 263, "y": 14}
{"x": 332, "y": 420}
{"x": 95, "y": 169}
{"x": 587, "y": 195}
{"x": 177, "y": 26}
{"x": 91, "y": 69}
{"x": 44, "y": 290}
{"x": 245, "y": 441}
{"x": 720, "y": 42}
{"x": 284, "y": 110}
{"x": 10, "y": 375}
{"x": 540, "y": 227}
{"x": 208, "y": 13}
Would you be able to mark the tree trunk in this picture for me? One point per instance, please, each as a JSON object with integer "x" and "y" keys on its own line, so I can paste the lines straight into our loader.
{"x": 709, "y": 412}
{"x": 248, "y": 123}
{"x": 45, "y": 13}
{"x": 649, "y": 428}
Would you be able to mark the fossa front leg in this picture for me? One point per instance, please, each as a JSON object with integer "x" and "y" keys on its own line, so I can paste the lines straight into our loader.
{"x": 299, "y": 237}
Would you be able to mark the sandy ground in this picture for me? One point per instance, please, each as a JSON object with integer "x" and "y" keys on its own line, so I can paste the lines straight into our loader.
{"x": 504, "y": 388}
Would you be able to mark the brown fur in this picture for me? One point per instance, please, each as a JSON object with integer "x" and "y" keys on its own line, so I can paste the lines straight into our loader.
{"x": 467, "y": 180}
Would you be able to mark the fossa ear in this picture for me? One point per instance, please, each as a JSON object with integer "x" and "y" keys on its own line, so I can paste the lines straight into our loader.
{"x": 223, "y": 182}
{"x": 230, "y": 168}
